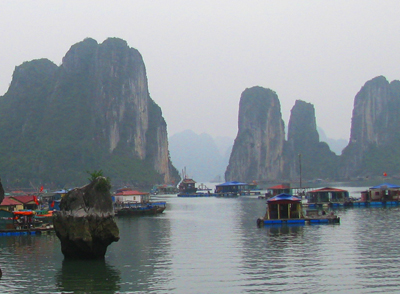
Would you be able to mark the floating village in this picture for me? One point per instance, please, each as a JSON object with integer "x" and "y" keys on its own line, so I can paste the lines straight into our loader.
{"x": 30, "y": 212}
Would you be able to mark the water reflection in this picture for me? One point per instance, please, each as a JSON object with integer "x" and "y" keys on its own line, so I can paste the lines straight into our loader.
{"x": 143, "y": 253}
{"x": 214, "y": 246}
{"x": 377, "y": 247}
{"x": 88, "y": 276}
{"x": 280, "y": 230}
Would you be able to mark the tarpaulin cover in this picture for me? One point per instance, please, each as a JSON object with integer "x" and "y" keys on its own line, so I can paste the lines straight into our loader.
{"x": 233, "y": 183}
{"x": 385, "y": 186}
{"x": 23, "y": 212}
{"x": 284, "y": 197}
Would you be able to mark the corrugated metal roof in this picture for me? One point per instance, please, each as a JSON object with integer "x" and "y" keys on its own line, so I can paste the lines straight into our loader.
{"x": 7, "y": 201}
{"x": 130, "y": 192}
{"x": 279, "y": 187}
{"x": 327, "y": 189}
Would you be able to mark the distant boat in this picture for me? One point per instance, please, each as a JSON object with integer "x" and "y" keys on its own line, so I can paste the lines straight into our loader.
{"x": 187, "y": 188}
{"x": 328, "y": 197}
{"x": 130, "y": 202}
{"x": 163, "y": 189}
{"x": 287, "y": 209}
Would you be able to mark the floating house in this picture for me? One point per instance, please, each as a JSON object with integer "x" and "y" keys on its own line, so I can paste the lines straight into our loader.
{"x": 287, "y": 209}
{"x": 132, "y": 202}
{"x": 230, "y": 189}
{"x": 278, "y": 189}
{"x": 10, "y": 204}
{"x": 29, "y": 202}
{"x": 163, "y": 189}
{"x": 383, "y": 194}
{"x": 284, "y": 208}
{"x": 327, "y": 197}
{"x": 187, "y": 186}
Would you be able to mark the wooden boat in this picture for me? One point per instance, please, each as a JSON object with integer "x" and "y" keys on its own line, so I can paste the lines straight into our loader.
{"x": 187, "y": 188}
{"x": 131, "y": 202}
{"x": 21, "y": 223}
{"x": 288, "y": 209}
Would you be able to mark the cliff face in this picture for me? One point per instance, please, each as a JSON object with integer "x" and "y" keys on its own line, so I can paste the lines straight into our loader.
{"x": 258, "y": 148}
{"x": 374, "y": 130}
{"x": 304, "y": 147}
{"x": 98, "y": 114}
{"x": 260, "y": 152}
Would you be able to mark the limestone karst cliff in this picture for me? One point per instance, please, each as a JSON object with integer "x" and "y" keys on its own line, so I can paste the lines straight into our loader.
{"x": 305, "y": 148}
{"x": 261, "y": 153}
{"x": 93, "y": 111}
{"x": 375, "y": 132}
{"x": 258, "y": 148}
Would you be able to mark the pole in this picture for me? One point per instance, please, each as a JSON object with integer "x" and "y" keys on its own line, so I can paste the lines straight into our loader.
{"x": 300, "y": 167}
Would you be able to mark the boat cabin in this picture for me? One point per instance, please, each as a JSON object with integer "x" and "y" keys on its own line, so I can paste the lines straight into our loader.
{"x": 187, "y": 186}
{"x": 284, "y": 208}
{"x": 327, "y": 196}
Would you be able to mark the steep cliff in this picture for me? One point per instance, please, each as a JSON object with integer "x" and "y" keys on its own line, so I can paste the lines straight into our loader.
{"x": 304, "y": 147}
{"x": 258, "y": 148}
{"x": 375, "y": 135}
{"x": 94, "y": 111}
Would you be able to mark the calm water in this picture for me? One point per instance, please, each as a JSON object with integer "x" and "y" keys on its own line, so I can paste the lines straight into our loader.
{"x": 212, "y": 245}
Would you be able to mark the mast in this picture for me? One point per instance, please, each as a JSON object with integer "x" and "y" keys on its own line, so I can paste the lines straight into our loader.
{"x": 300, "y": 168}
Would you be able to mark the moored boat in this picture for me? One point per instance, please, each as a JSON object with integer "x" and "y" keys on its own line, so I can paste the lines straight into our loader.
{"x": 131, "y": 202}
{"x": 187, "y": 188}
{"x": 21, "y": 223}
{"x": 288, "y": 209}
{"x": 328, "y": 197}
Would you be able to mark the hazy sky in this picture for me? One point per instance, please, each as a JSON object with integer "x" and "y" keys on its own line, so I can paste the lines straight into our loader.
{"x": 201, "y": 55}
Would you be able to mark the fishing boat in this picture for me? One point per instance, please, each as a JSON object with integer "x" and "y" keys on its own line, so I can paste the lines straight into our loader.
{"x": 21, "y": 223}
{"x": 131, "y": 202}
{"x": 288, "y": 209}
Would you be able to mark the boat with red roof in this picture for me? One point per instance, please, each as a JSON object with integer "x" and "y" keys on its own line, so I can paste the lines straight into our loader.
{"x": 132, "y": 202}
{"x": 327, "y": 197}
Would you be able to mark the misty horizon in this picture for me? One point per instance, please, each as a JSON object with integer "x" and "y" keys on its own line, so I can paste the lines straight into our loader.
{"x": 200, "y": 56}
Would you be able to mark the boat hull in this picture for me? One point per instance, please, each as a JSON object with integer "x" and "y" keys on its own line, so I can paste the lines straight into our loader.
{"x": 301, "y": 221}
{"x": 196, "y": 195}
{"x": 146, "y": 209}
